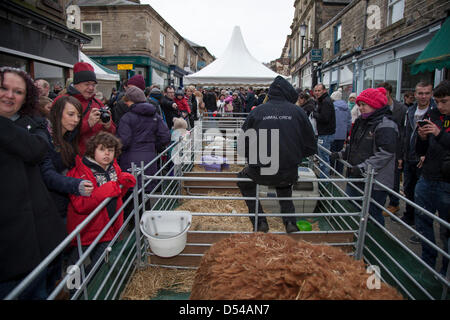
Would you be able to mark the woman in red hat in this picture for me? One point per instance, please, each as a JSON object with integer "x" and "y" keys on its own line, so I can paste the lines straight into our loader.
{"x": 373, "y": 142}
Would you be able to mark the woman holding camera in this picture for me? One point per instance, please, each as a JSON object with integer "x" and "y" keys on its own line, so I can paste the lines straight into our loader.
{"x": 95, "y": 116}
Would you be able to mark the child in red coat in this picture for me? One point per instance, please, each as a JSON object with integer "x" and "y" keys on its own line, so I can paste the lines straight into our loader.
{"x": 99, "y": 165}
{"x": 182, "y": 103}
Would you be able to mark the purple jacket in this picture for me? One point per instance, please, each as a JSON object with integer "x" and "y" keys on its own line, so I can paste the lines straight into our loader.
{"x": 343, "y": 120}
{"x": 142, "y": 131}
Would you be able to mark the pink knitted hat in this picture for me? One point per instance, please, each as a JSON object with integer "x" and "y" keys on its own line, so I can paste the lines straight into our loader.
{"x": 376, "y": 98}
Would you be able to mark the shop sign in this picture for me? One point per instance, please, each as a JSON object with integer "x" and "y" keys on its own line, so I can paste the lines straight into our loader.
{"x": 316, "y": 54}
{"x": 124, "y": 67}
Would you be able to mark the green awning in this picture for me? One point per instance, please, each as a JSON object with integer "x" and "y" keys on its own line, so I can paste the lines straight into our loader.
{"x": 437, "y": 53}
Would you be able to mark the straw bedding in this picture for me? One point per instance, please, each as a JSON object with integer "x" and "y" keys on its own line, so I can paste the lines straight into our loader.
{"x": 226, "y": 223}
{"x": 145, "y": 283}
{"x": 268, "y": 266}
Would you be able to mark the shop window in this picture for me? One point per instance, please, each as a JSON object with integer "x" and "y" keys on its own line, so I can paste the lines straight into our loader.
{"x": 409, "y": 80}
{"x": 368, "y": 78}
{"x": 162, "y": 45}
{"x": 378, "y": 75}
{"x": 52, "y": 74}
{"x": 14, "y": 61}
{"x": 392, "y": 76}
{"x": 395, "y": 10}
{"x": 94, "y": 30}
{"x": 337, "y": 38}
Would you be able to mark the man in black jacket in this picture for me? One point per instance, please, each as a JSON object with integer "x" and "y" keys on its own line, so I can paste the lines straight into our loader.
{"x": 433, "y": 188}
{"x": 412, "y": 164}
{"x": 326, "y": 125}
{"x": 168, "y": 106}
{"x": 282, "y": 130}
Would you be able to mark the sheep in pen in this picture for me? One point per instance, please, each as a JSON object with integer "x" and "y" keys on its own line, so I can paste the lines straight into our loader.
{"x": 269, "y": 266}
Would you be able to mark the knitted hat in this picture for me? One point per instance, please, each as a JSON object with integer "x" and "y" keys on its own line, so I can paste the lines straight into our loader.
{"x": 137, "y": 81}
{"x": 376, "y": 98}
{"x": 156, "y": 93}
{"x": 83, "y": 72}
{"x": 337, "y": 95}
{"x": 135, "y": 95}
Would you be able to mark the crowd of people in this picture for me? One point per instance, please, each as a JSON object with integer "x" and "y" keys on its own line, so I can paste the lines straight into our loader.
{"x": 65, "y": 151}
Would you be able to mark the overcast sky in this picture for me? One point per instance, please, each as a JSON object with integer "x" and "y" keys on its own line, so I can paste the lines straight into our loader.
{"x": 264, "y": 23}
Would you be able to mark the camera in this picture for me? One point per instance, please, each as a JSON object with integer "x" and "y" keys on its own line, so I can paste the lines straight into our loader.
{"x": 105, "y": 117}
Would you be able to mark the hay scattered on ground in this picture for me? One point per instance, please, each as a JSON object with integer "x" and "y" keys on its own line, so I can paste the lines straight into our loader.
{"x": 146, "y": 283}
{"x": 227, "y": 223}
{"x": 268, "y": 267}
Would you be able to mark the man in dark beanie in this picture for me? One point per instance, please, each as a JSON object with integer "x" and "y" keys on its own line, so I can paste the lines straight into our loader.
{"x": 83, "y": 88}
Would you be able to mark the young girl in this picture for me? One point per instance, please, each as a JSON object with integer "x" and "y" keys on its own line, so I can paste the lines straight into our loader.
{"x": 99, "y": 166}
{"x": 65, "y": 123}
{"x": 182, "y": 104}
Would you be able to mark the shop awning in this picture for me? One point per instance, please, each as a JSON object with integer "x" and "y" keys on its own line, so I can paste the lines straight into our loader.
{"x": 437, "y": 53}
{"x": 101, "y": 72}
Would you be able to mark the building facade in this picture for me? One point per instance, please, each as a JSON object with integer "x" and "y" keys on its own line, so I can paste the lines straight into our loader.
{"x": 381, "y": 39}
{"x": 132, "y": 38}
{"x": 309, "y": 15}
{"x": 35, "y": 38}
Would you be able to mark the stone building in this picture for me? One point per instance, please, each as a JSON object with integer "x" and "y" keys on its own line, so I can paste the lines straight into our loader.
{"x": 281, "y": 65}
{"x": 132, "y": 38}
{"x": 380, "y": 40}
{"x": 309, "y": 16}
{"x": 35, "y": 38}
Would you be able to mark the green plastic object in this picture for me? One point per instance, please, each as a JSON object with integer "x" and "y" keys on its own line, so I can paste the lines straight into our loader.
{"x": 303, "y": 225}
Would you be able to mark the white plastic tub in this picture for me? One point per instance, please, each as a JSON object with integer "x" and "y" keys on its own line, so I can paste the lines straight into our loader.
{"x": 300, "y": 189}
{"x": 166, "y": 231}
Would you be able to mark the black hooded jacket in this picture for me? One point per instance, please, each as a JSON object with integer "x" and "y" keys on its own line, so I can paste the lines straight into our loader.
{"x": 296, "y": 135}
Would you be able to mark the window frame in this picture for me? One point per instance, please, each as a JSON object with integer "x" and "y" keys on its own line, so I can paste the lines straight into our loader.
{"x": 162, "y": 45}
{"x": 175, "y": 53}
{"x": 390, "y": 6}
{"x": 337, "y": 29}
{"x": 86, "y": 45}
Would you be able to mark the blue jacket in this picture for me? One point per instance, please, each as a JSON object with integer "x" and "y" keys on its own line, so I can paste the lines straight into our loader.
{"x": 343, "y": 120}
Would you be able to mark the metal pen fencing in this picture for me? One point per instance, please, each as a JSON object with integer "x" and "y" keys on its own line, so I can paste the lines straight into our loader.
{"x": 346, "y": 220}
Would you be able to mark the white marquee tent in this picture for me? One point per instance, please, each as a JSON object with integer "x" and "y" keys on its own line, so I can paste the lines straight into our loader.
{"x": 237, "y": 67}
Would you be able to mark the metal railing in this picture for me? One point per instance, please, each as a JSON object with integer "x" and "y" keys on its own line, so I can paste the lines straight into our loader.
{"x": 342, "y": 213}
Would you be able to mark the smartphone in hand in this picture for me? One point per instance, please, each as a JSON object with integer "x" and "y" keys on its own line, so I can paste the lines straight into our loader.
{"x": 422, "y": 123}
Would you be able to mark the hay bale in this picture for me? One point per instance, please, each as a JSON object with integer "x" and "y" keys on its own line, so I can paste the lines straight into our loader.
{"x": 268, "y": 266}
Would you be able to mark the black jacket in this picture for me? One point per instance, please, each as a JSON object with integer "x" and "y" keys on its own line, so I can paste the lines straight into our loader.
{"x": 30, "y": 226}
{"x": 169, "y": 111}
{"x": 296, "y": 135}
{"x": 374, "y": 141}
{"x": 398, "y": 116}
{"x": 309, "y": 106}
{"x": 436, "y": 149}
{"x": 410, "y": 135}
{"x": 210, "y": 100}
{"x": 325, "y": 116}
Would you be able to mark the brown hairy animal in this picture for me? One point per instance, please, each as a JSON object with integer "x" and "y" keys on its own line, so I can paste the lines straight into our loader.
{"x": 268, "y": 266}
